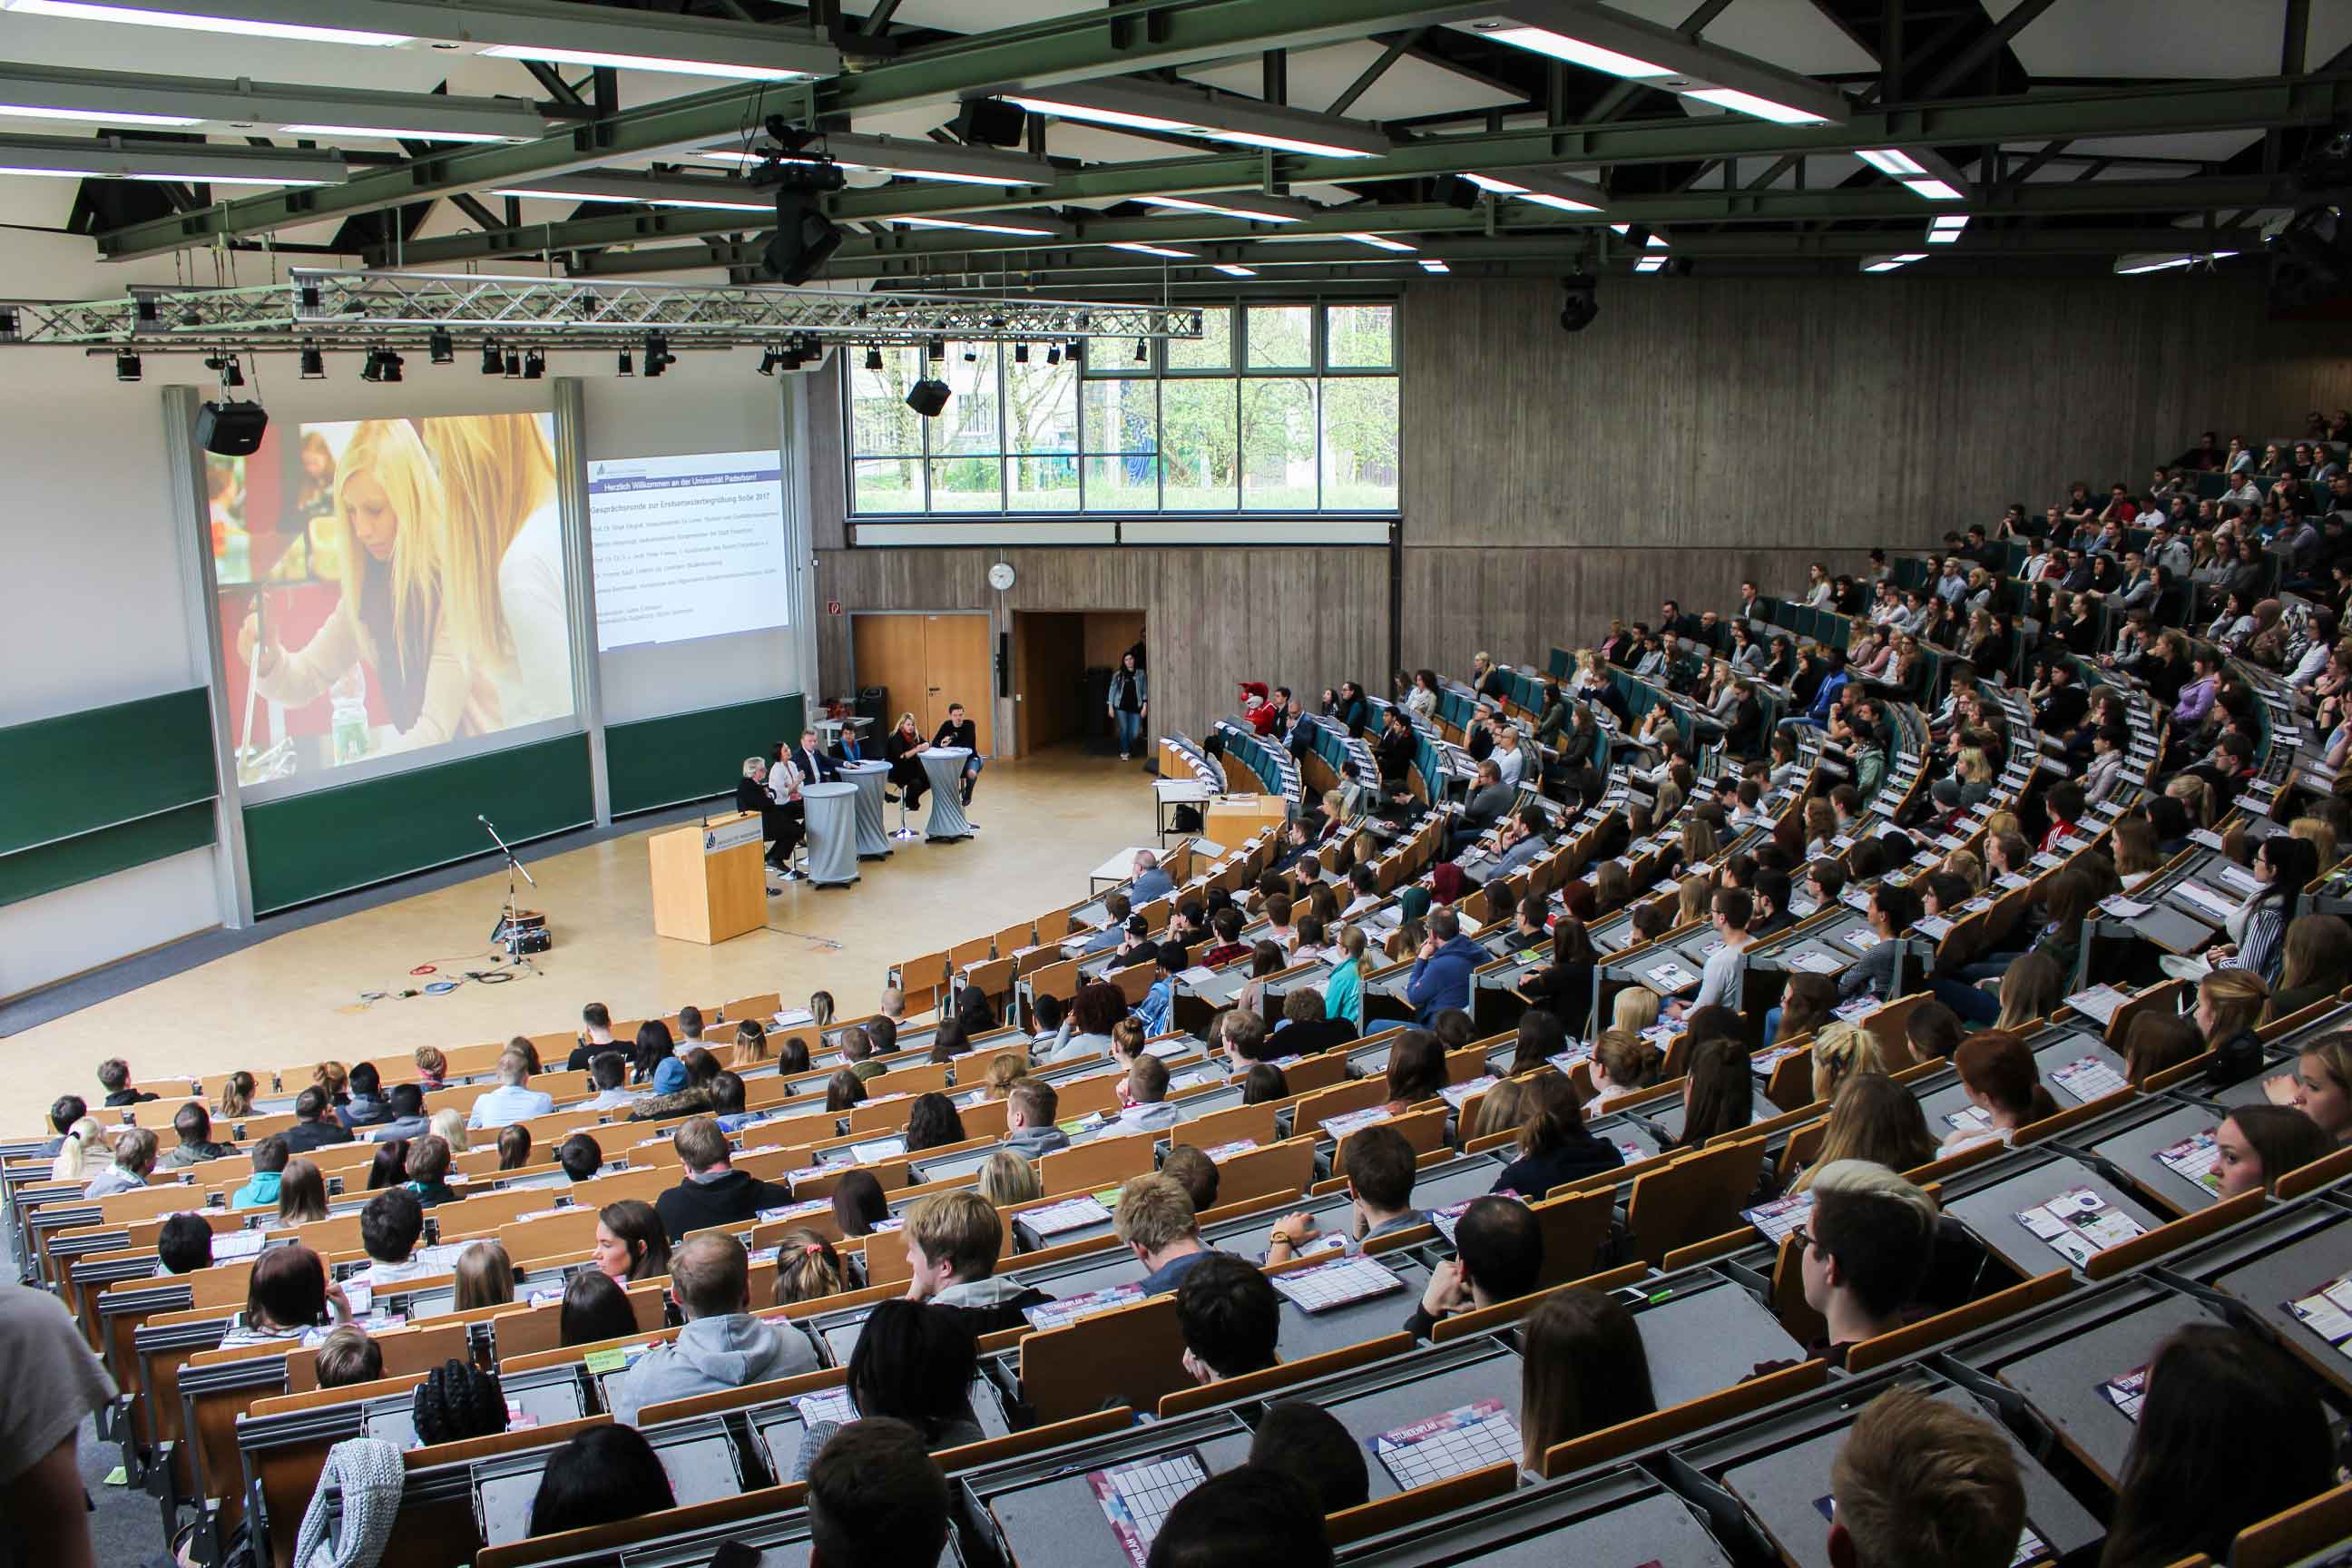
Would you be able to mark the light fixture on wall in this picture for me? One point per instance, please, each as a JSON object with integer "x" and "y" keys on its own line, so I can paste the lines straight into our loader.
{"x": 493, "y": 362}
{"x": 314, "y": 364}
{"x": 440, "y": 348}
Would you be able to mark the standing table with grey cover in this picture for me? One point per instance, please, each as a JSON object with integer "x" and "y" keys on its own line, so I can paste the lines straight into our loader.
{"x": 944, "y": 765}
{"x": 873, "y": 839}
{"x": 831, "y": 833}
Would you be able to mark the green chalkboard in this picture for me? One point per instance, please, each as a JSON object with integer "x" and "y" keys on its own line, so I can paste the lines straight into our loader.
{"x": 79, "y": 772}
{"x": 652, "y": 762}
{"x": 101, "y": 852}
{"x": 331, "y": 840}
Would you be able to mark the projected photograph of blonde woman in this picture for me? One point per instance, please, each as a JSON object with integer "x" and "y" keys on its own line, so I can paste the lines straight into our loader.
{"x": 501, "y": 554}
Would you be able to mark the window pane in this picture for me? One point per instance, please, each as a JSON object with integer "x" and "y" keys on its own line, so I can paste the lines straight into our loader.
{"x": 1121, "y": 416}
{"x": 1045, "y": 484}
{"x": 969, "y": 423}
{"x": 967, "y": 484}
{"x": 1128, "y": 483}
{"x": 887, "y": 484}
{"x": 1360, "y": 337}
{"x": 1212, "y": 349}
{"x": 1041, "y": 406}
{"x": 1200, "y": 436}
{"x": 1359, "y": 443}
{"x": 1115, "y": 356}
{"x": 1282, "y": 337}
{"x": 1278, "y": 444}
{"x": 881, "y": 422}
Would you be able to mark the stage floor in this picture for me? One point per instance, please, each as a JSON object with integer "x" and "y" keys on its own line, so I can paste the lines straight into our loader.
{"x": 1045, "y": 822}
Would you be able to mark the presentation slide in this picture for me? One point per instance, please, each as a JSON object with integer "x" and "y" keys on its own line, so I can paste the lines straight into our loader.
{"x": 389, "y": 587}
{"x": 688, "y": 547}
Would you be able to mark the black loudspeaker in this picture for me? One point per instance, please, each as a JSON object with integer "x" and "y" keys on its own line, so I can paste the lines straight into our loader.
{"x": 928, "y": 397}
{"x": 992, "y": 123}
{"x": 231, "y": 429}
{"x": 1004, "y": 664}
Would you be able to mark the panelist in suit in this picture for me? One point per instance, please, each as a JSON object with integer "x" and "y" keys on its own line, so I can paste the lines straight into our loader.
{"x": 810, "y": 763}
{"x": 957, "y": 729}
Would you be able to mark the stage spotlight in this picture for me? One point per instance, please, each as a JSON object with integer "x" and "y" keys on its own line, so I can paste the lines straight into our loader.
{"x": 314, "y": 364}
{"x": 628, "y": 366}
{"x": 513, "y": 368}
{"x": 1053, "y": 354}
{"x": 493, "y": 362}
{"x": 803, "y": 239}
{"x": 770, "y": 360}
{"x": 1078, "y": 354}
{"x": 1142, "y": 351}
{"x": 391, "y": 363}
{"x": 1020, "y": 353}
{"x": 928, "y": 397}
{"x": 657, "y": 355}
{"x": 382, "y": 367}
{"x": 126, "y": 365}
{"x": 440, "y": 347}
{"x": 1577, "y": 311}
{"x": 873, "y": 358}
{"x": 230, "y": 375}
{"x": 936, "y": 350}
{"x": 992, "y": 123}
{"x": 1459, "y": 192}
{"x": 534, "y": 364}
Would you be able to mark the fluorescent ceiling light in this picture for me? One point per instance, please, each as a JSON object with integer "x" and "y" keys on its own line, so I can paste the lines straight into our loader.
{"x": 1376, "y": 241}
{"x": 2144, "y": 261}
{"x": 1144, "y": 249}
{"x": 1910, "y": 255}
{"x": 911, "y": 160}
{"x": 1650, "y": 264}
{"x": 1890, "y": 161}
{"x": 1252, "y": 208}
{"x": 1881, "y": 266}
{"x": 1431, "y": 264}
{"x": 1949, "y": 220}
{"x": 1033, "y": 229}
{"x": 1545, "y": 190}
{"x": 1946, "y": 230}
{"x": 118, "y": 158}
{"x": 711, "y": 194}
{"x": 548, "y": 30}
{"x": 1611, "y": 41}
{"x": 134, "y": 13}
{"x": 1934, "y": 190}
{"x": 138, "y": 97}
{"x": 1200, "y": 111}
{"x": 1232, "y": 270}
{"x": 568, "y": 193}
{"x": 1654, "y": 240}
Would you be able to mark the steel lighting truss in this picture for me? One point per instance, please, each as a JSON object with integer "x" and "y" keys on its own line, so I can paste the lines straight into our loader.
{"x": 350, "y": 310}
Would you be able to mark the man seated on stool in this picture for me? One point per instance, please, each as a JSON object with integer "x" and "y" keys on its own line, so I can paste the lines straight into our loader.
{"x": 810, "y": 763}
{"x": 776, "y": 825}
{"x": 1381, "y": 1169}
{"x": 959, "y": 731}
{"x": 722, "y": 1345}
{"x": 1156, "y": 1222}
{"x": 1230, "y": 1315}
{"x": 1498, "y": 1257}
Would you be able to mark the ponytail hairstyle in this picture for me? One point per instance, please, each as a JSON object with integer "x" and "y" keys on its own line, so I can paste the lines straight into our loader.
{"x": 807, "y": 1267}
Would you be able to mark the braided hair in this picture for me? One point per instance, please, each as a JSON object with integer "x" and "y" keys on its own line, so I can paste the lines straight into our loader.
{"x": 457, "y": 1400}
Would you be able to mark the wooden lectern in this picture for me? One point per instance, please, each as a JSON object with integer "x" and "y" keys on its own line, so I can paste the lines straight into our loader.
{"x": 708, "y": 883}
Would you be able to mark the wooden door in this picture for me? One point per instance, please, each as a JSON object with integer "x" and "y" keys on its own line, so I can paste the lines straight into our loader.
{"x": 927, "y": 662}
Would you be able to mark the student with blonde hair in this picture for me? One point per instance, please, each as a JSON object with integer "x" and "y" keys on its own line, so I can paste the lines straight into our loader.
{"x": 392, "y": 616}
{"x": 1007, "y": 1179}
{"x": 2030, "y": 990}
{"x": 502, "y": 559}
{"x": 1635, "y": 1009}
{"x": 2229, "y": 1001}
{"x": 235, "y": 1101}
{"x": 807, "y": 1267}
{"x": 1839, "y": 1051}
{"x": 449, "y": 1124}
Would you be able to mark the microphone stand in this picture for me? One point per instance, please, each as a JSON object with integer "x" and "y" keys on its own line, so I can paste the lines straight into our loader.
{"x": 507, "y": 924}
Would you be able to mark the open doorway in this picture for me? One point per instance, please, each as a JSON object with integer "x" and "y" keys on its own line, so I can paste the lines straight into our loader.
{"x": 1062, "y": 661}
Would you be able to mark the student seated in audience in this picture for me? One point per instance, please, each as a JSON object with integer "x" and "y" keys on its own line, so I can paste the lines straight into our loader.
{"x": 1255, "y": 1516}
{"x": 932, "y": 1123}
{"x": 269, "y": 1157}
{"x": 289, "y": 1297}
{"x": 1932, "y": 1031}
{"x": 595, "y": 1037}
{"x": 2257, "y": 1144}
{"x": 1554, "y": 1146}
{"x": 114, "y": 1076}
{"x": 64, "y": 1111}
{"x": 194, "y": 1124}
{"x": 1230, "y": 1315}
{"x": 1873, "y": 1118}
{"x": 1441, "y": 970}
{"x": 1306, "y": 1028}
{"x": 428, "y": 1172}
{"x": 185, "y": 1244}
{"x": 1417, "y": 1070}
{"x": 1006, "y": 1179}
{"x": 514, "y": 1146}
{"x": 1624, "y": 1064}
{"x": 1156, "y": 1011}
{"x": 1863, "y": 1250}
{"x": 2228, "y": 1004}
{"x": 1156, "y": 1222}
{"x": 722, "y": 1345}
{"x": 877, "y": 1498}
{"x": 713, "y": 1193}
{"x": 315, "y": 1126}
{"x": 807, "y": 1267}
{"x": 953, "y": 1242}
{"x": 580, "y": 1156}
{"x": 1143, "y": 1099}
{"x": 913, "y": 1364}
{"x": 843, "y": 1090}
{"x": 1263, "y": 1084}
{"x": 2231, "y": 1432}
{"x": 1498, "y": 1257}
{"x": 603, "y": 1476}
{"x": 1305, "y": 1442}
{"x": 2000, "y": 1077}
{"x": 2321, "y": 1085}
{"x": 485, "y": 1276}
{"x": 609, "y": 1072}
{"x": 1194, "y": 1171}
{"x": 389, "y": 1227}
{"x": 858, "y": 1204}
{"x": 134, "y": 1159}
{"x": 1241, "y": 1035}
{"x": 1921, "y": 1483}
{"x": 456, "y": 1401}
{"x": 405, "y": 1103}
{"x": 595, "y": 1310}
{"x": 2157, "y": 1042}
{"x": 302, "y": 1194}
{"x": 632, "y": 1244}
{"x": 1583, "y": 1368}
{"x": 348, "y": 1356}
{"x": 1029, "y": 1130}
{"x": 365, "y": 1106}
{"x": 1380, "y": 1166}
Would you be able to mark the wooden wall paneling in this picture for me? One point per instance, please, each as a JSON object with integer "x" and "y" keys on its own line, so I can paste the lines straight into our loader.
{"x": 959, "y": 654}
{"x": 1109, "y": 634}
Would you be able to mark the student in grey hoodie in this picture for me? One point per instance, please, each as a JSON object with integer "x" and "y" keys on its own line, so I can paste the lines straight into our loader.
{"x": 913, "y": 1362}
{"x": 1030, "y": 1128}
{"x": 405, "y": 1102}
{"x": 366, "y": 1106}
{"x": 722, "y": 1345}
{"x": 953, "y": 1240}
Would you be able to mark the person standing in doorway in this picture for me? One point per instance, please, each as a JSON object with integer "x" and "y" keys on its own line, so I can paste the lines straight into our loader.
{"x": 1131, "y": 699}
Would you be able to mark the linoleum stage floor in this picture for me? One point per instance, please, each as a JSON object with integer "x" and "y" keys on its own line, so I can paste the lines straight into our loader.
{"x": 1045, "y": 822}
